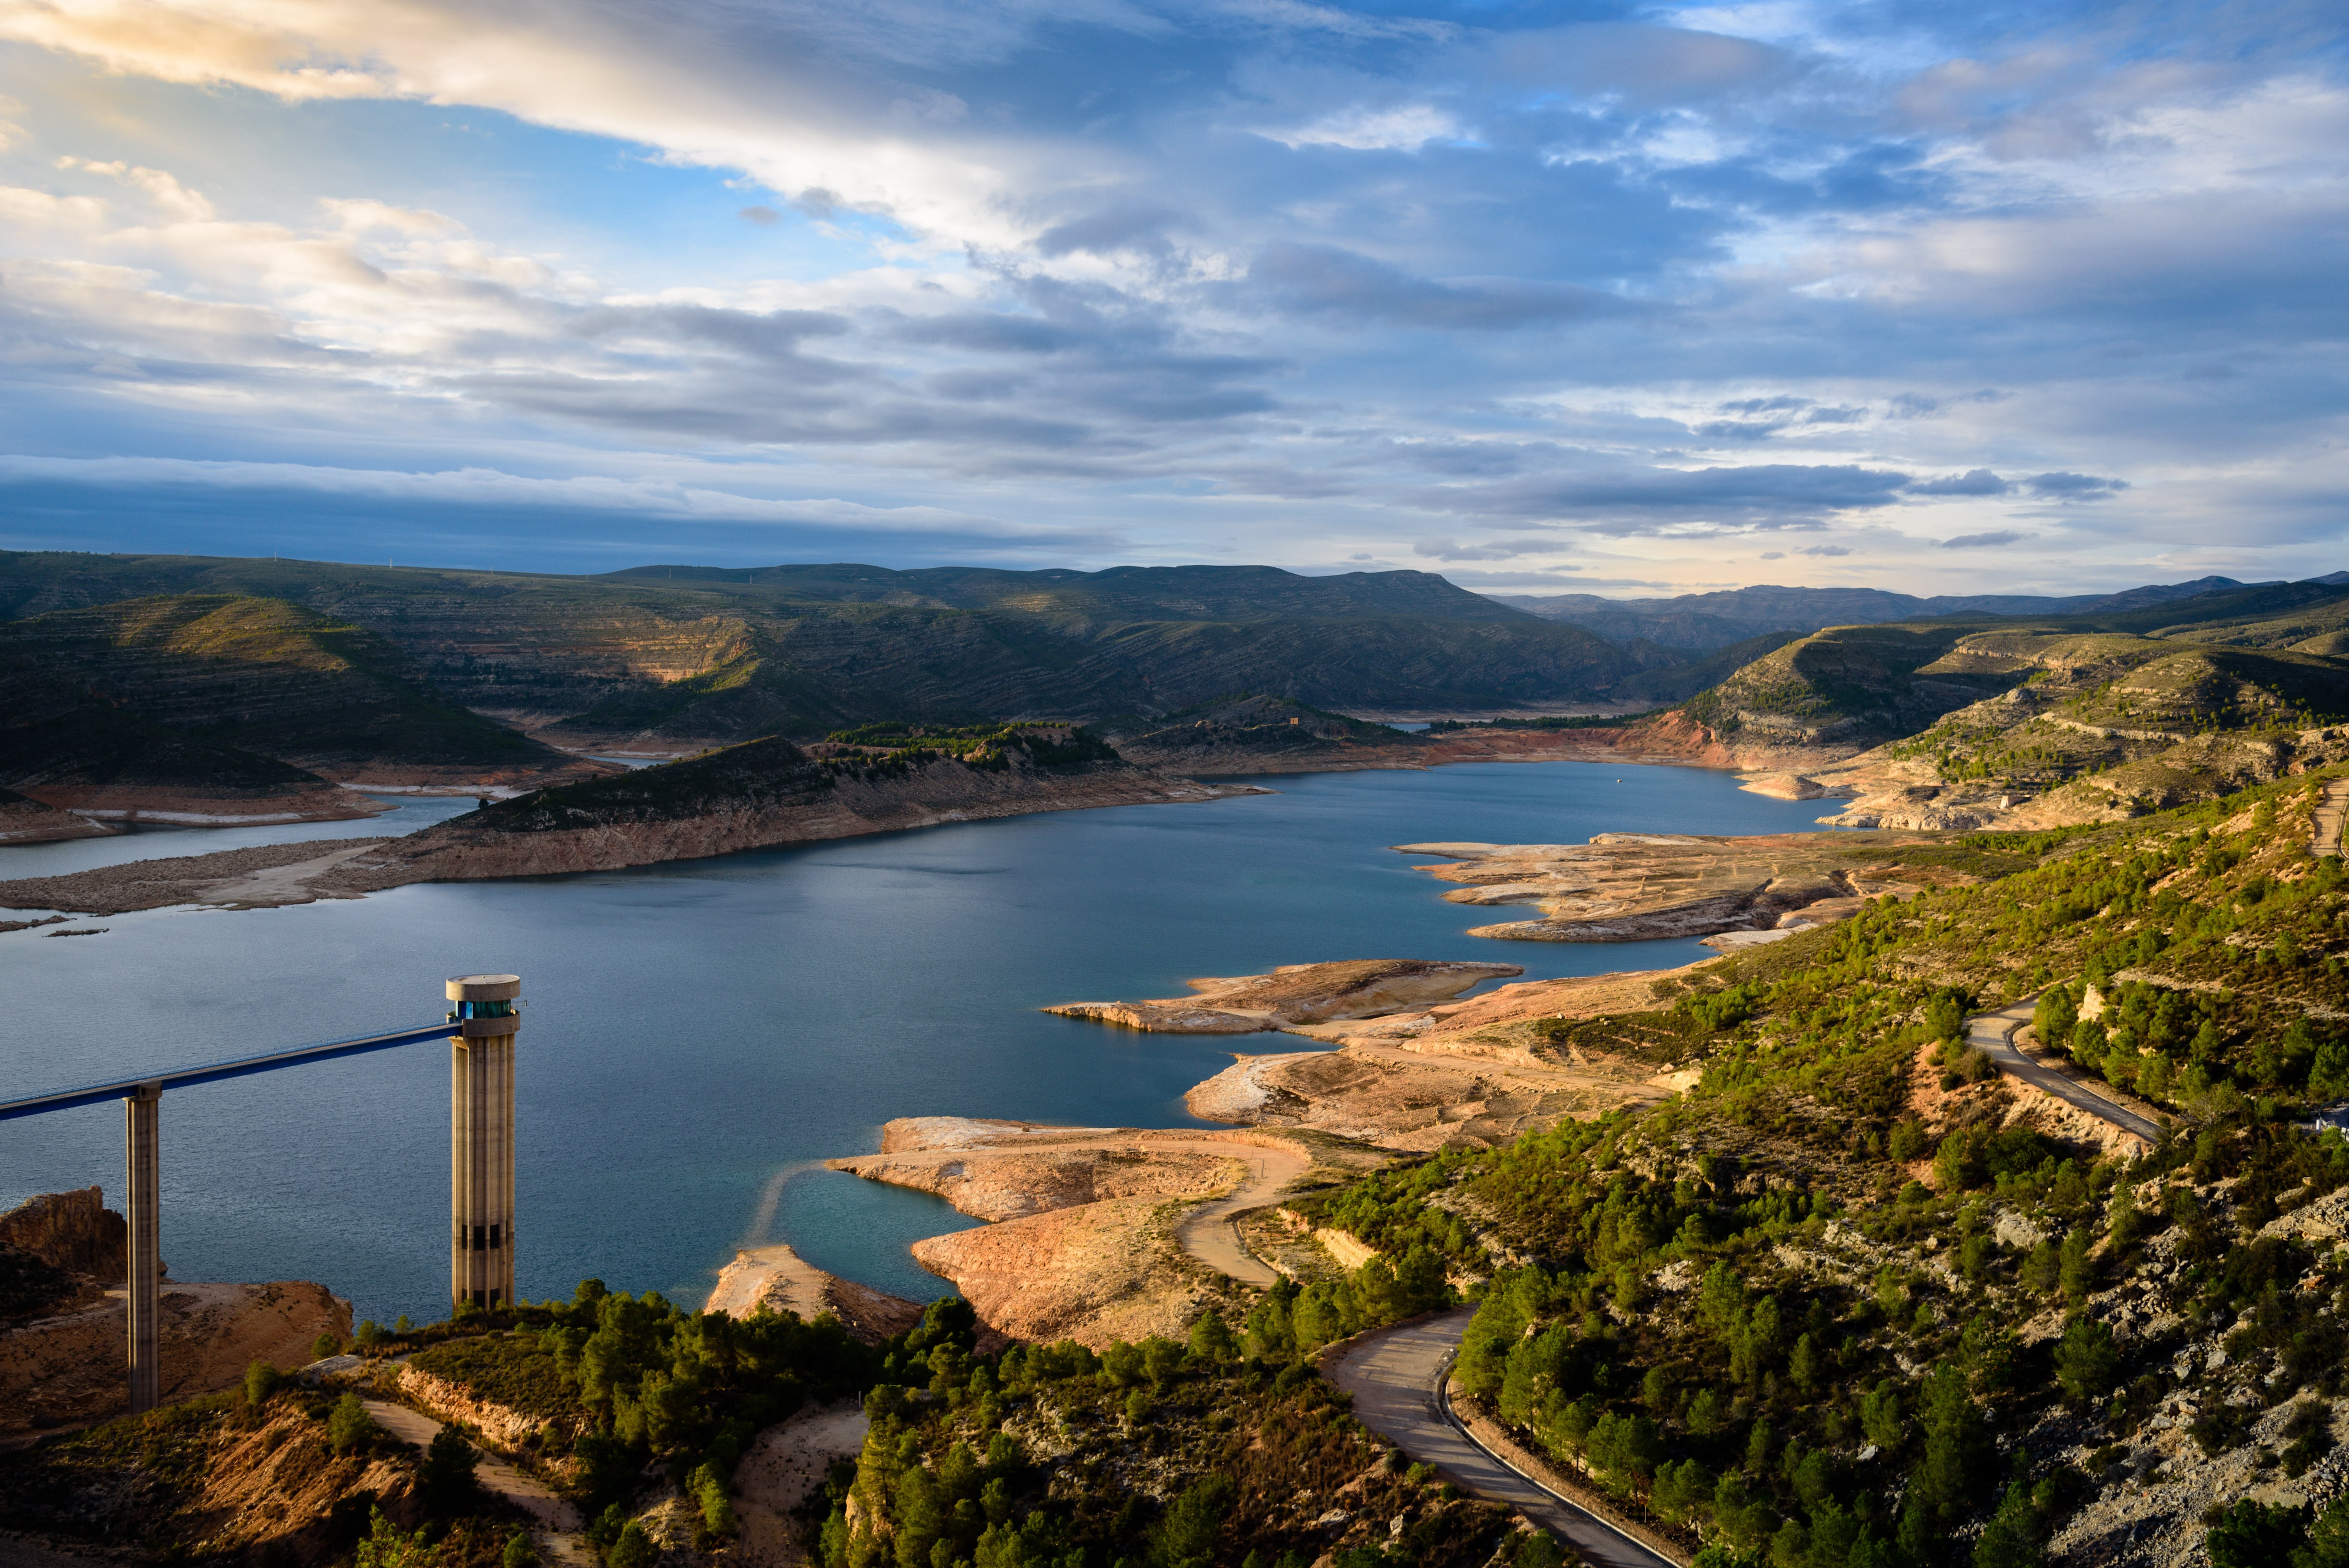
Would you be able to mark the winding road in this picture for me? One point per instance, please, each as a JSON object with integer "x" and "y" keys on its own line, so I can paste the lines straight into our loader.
{"x": 1396, "y": 1377}
{"x": 1207, "y": 1232}
{"x": 1994, "y": 1035}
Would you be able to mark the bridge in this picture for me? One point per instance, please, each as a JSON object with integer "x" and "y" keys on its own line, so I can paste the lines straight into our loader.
{"x": 480, "y": 1026}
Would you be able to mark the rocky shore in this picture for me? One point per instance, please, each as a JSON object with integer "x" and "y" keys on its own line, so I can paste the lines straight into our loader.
{"x": 1638, "y": 887}
{"x": 1102, "y": 1233}
{"x": 1293, "y": 994}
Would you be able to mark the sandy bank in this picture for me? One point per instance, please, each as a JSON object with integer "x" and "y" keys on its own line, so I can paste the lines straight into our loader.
{"x": 256, "y": 878}
{"x": 1093, "y": 1235}
{"x": 776, "y": 1279}
{"x": 1295, "y": 993}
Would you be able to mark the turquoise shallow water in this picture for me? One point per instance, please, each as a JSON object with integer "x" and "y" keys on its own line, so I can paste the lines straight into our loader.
{"x": 700, "y": 1034}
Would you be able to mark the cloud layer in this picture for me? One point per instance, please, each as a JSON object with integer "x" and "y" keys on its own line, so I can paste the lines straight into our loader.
{"x": 1976, "y": 298}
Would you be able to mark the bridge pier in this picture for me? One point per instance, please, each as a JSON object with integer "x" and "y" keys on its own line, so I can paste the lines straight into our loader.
{"x": 142, "y": 1178}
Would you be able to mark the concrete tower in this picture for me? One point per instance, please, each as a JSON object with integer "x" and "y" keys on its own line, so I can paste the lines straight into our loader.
{"x": 481, "y": 1137}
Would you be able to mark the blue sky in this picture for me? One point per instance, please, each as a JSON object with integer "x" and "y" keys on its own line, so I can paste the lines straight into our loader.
{"x": 1547, "y": 298}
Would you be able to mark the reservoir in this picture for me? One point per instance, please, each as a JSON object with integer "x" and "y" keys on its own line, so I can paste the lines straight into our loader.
{"x": 702, "y": 1034}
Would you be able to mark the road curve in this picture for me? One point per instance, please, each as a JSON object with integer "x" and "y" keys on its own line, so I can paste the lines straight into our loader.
{"x": 1994, "y": 1035}
{"x": 1207, "y": 1232}
{"x": 1396, "y": 1375}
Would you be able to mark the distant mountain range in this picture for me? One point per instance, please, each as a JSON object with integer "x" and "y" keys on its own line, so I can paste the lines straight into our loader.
{"x": 1702, "y": 622}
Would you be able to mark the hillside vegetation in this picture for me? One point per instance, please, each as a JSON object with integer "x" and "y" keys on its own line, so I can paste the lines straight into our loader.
{"x": 253, "y": 675}
{"x": 667, "y": 657}
{"x": 1858, "y": 1299}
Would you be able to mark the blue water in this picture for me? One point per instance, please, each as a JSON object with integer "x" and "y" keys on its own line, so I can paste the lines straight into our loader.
{"x": 700, "y": 1034}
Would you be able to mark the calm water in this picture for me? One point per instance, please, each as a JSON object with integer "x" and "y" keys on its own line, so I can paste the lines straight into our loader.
{"x": 700, "y": 1034}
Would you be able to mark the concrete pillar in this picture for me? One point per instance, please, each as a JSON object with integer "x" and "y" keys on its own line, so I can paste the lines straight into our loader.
{"x": 142, "y": 1177}
{"x": 481, "y": 1137}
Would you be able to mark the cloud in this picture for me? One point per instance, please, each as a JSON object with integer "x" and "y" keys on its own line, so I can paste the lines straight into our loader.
{"x": 1403, "y": 127}
{"x": 1823, "y": 550}
{"x": 1487, "y": 272}
{"x": 1762, "y": 495}
{"x": 1449, "y": 549}
{"x": 1109, "y": 231}
{"x": 1973, "y": 482}
{"x": 2075, "y": 487}
{"x": 1985, "y": 541}
{"x": 1327, "y": 280}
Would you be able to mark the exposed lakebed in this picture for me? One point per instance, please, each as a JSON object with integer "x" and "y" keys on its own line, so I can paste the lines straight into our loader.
{"x": 702, "y": 1034}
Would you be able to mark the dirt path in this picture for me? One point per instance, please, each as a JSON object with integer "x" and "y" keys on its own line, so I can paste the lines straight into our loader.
{"x": 1207, "y": 1232}
{"x": 559, "y": 1527}
{"x": 1396, "y": 1377}
{"x": 2331, "y": 808}
{"x": 1994, "y": 1035}
{"x": 785, "y": 1465}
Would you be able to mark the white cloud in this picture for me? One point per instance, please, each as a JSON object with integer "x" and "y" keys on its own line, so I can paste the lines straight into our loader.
{"x": 1403, "y": 128}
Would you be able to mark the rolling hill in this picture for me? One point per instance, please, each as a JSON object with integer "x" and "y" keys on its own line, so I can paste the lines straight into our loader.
{"x": 672, "y": 658}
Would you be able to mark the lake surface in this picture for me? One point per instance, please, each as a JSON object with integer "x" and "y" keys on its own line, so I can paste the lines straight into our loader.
{"x": 702, "y": 1034}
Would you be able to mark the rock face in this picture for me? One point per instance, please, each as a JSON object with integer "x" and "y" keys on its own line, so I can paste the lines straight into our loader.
{"x": 69, "y": 1369}
{"x": 774, "y": 1279}
{"x": 71, "y": 1231}
{"x": 1295, "y": 993}
{"x": 751, "y": 796}
{"x": 1636, "y": 887}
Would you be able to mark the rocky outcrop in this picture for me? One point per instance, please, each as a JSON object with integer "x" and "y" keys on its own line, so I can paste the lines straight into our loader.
{"x": 1094, "y": 1272}
{"x": 1295, "y": 993}
{"x": 504, "y": 1426}
{"x": 72, "y": 1230}
{"x": 69, "y": 1369}
{"x": 1636, "y": 887}
{"x": 774, "y": 1278}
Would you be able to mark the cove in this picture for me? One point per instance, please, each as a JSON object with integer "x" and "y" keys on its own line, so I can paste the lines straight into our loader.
{"x": 702, "y": 1034}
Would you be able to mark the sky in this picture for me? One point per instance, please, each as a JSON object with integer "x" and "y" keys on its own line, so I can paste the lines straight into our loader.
{"x": 1582, "y": 297}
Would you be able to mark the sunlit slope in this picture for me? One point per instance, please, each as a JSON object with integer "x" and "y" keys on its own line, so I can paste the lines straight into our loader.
{"x": 1947, "y": 724}
{"x": 677, "y": 656}
{"x": 252, "y": 675}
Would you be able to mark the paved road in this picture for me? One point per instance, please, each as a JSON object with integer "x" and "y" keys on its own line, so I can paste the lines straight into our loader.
{"x": 1994, "y": 1033}
{"x": 1207, "y": 1232}
{"x": 1394, "y": 1376}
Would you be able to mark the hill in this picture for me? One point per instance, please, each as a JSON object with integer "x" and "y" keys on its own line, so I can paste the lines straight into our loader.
{"x": 264, "y": 677}
{"x": 672, "y": 658}
{"x": 1963, "y": 722}
{"x": 1710, "y": 620}
{"x": 763, "y": 792}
